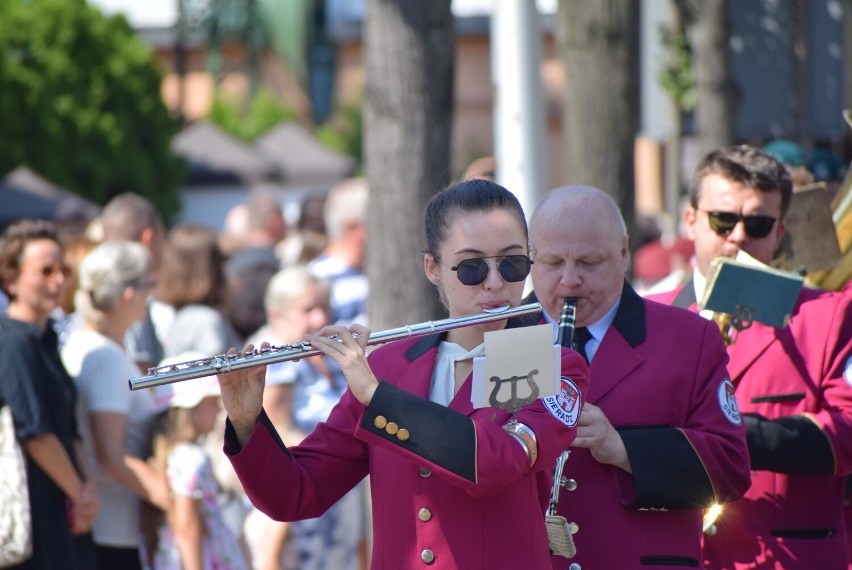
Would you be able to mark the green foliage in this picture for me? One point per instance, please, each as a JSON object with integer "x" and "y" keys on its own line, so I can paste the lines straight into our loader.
{"x": 80, "y": 103}
{"x": 676, "y": 77}
{"x": 344, "y": 132}
{"x": 264, "y": 112}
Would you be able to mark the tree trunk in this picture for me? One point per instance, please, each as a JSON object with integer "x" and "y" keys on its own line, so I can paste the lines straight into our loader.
{"x": 708, "y": 32}
{"x": 599, "y": 45}
{"x": 409, "y": 51}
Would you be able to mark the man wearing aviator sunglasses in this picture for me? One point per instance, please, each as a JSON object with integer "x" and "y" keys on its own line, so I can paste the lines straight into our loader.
{"x": 790, "y": 383}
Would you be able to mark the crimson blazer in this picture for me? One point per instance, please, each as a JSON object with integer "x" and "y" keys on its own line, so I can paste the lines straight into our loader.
{"x": 456, "y": 491}
{"x": 798, "y": 409}
{"x": 659, "y": 376}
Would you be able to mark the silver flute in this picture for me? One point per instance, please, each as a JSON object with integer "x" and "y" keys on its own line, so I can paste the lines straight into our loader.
{"x": 225, "y": 363}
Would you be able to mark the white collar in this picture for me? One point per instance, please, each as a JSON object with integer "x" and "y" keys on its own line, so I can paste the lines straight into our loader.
{"x": 442, "y": 388}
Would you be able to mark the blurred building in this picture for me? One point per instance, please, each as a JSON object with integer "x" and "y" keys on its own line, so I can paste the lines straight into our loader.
{"x": 792, "y": 62}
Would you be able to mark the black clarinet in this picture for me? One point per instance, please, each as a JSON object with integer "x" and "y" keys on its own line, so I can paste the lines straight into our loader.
{"x": 565, "y": 336}
{"x": 559, "y": 531}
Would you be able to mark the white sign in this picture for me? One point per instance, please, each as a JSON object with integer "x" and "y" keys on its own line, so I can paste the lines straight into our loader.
{"x": 518, "y": 363}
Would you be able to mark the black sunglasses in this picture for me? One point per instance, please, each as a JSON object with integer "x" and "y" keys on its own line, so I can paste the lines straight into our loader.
{"x": 512, "y": 268}
{"x": 48, "y": 270}
{"x": 723, "y": 223}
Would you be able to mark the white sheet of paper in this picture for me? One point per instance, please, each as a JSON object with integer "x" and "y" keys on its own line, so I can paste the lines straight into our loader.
{"x": 515, "y": 353}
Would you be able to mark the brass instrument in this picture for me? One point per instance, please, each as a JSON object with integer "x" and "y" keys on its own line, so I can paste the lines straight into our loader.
{"x": 723, "y": 321}
{"x": 225, "y": 363}
{"x": 730, "y": 325}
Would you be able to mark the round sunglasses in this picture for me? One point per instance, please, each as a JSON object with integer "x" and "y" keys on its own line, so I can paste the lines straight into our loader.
{"x": 723, "y": 223}
{"x": 512, "y": 268}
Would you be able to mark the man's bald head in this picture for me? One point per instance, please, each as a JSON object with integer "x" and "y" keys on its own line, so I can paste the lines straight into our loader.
{"x": 579, "y": 243}
{"x": 579, "y": 204}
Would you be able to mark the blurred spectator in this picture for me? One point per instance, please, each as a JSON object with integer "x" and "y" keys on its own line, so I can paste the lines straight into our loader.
{"x": 130, "y": 217}
{"x": 661, "y": 264}
{"x": 192, "y": 280}
{"x": 250, "y": 267}
{"x": 235, "y": 230}
{"x": 788, "y": 152}
{"x": 75, "y": 250}
{"x": 309, "y": 238}
{"x": 42, "y": 398}
{"x": 66, "y": 317}
{"x": 115, "y": 282}
{"x": 792, "y": 155}
{"x": 483, "y": 167}
{"x": 195, "y": 534}
{"x": 647, "y": 229}
{"x": 342, "y": 261}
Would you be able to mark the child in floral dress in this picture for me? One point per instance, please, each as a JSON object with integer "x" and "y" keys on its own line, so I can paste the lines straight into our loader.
{"x": 195, "y": 536}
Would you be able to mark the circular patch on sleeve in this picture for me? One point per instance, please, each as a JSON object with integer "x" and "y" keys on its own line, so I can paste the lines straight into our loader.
{"x": 847, "y": 371}
{"x": 728, "y": 402}
{"x": 565, "y": 405}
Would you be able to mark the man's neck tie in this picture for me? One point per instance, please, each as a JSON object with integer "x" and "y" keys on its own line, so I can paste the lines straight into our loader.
{"x": 581, "y": 337}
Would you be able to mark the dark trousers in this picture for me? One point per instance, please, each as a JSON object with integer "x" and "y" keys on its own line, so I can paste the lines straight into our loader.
{"x": 115, "y": 558}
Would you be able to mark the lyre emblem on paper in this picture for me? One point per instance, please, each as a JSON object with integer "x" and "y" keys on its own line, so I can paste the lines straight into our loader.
{"x": 513, "y": 403}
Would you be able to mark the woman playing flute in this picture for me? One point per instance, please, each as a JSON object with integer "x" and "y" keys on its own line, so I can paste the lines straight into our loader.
{"x": 451, "y": 487}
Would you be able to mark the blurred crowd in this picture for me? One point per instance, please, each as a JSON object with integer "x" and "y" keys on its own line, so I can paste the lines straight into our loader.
{"x": 82, "y": 312}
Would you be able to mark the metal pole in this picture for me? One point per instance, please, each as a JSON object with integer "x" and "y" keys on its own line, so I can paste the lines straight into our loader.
{"x": 519, "y": 146}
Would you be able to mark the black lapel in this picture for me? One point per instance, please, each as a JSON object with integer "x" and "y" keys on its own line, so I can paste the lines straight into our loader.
{"x": 629, "y": 320}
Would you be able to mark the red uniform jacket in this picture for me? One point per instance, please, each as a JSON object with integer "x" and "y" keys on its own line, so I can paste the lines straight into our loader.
{"x": 458, "y": 492}
{"x": 798, "y": 409}
{"x": 659, "y": 375}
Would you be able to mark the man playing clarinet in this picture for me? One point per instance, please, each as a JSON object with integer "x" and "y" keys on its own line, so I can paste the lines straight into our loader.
{"x": 654, "y": 444}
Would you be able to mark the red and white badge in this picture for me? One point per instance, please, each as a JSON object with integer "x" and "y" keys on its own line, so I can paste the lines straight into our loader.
{"x": 728, "y": 402}
{"x": 565, "y": 405}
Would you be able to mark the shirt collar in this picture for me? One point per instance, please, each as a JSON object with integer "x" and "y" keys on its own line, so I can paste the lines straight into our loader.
{"x": 699, "y": 282}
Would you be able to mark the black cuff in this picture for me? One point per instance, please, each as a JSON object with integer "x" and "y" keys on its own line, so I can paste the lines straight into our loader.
{"x": 432, "y": 431}
{"x": 790, "y": 444}
{"x": 232, "y": 443}
{"x": 667, "y": 472}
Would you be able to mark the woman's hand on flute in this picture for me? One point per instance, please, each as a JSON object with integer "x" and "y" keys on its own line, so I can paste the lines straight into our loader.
{"x": 339, "y": 344}
{"x": 242, "y": 396}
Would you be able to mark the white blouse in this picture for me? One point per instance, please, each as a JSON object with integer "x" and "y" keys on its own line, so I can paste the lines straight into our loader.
{"x": 443, "y": 385}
